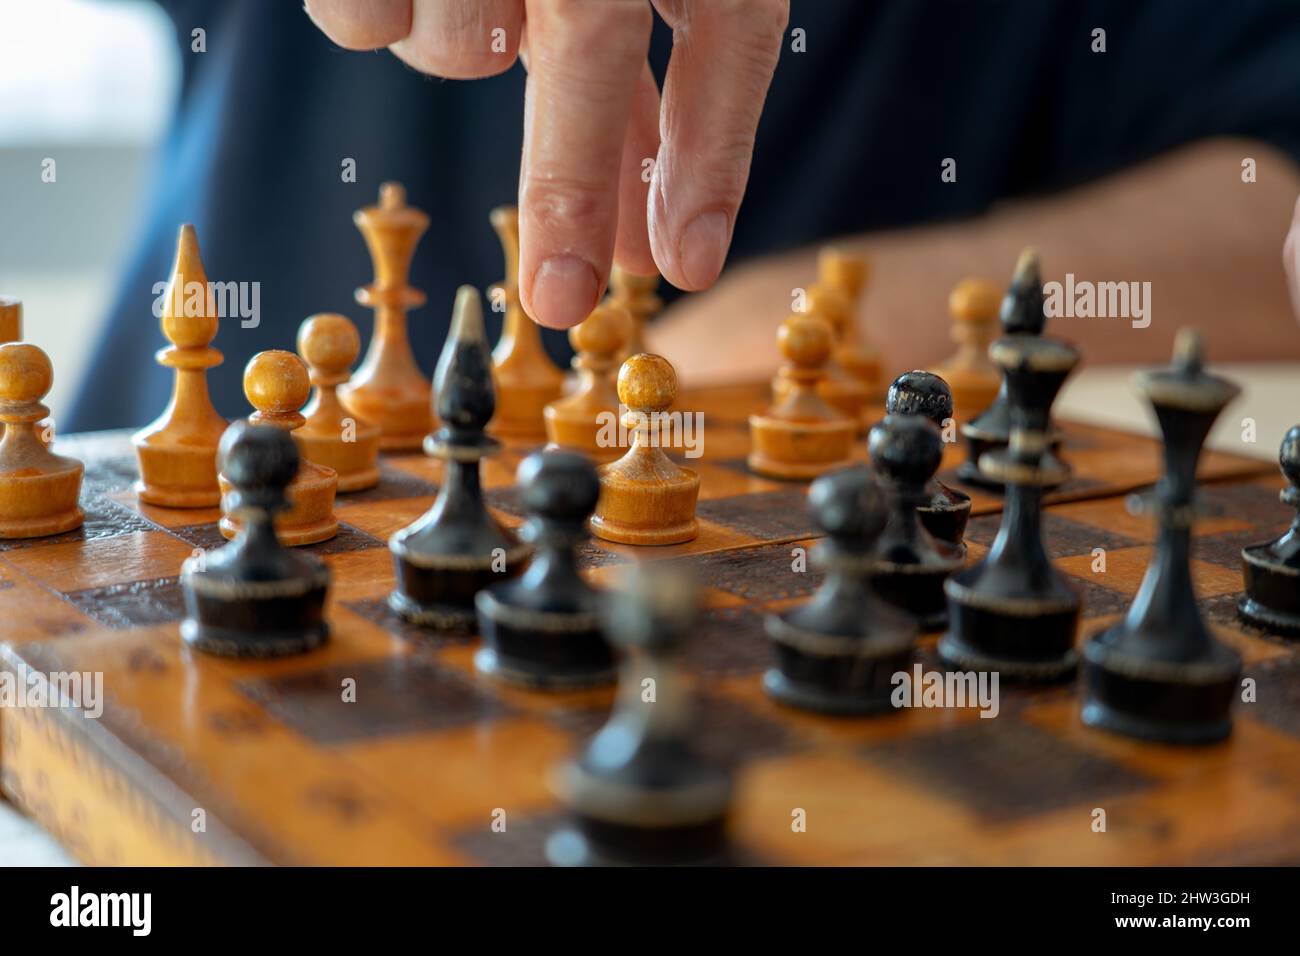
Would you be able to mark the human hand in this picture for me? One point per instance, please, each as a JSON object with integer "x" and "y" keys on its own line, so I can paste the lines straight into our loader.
{"x": 611, "y": 168}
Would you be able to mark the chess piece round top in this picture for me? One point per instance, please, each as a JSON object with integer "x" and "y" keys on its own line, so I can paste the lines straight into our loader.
{"x": 25, "y": 374}
{"x": 1185, "y": 384}
{"x": 974, "y": 300}
{"x": 906, "y": 448}
{"x": 831, "y": 304}
{"x": 920, "y": 393}
{"x": 255, "y": 458}
{"x": 183, "y": 328}
{"x": 847, "y": 504}
{"x": 329, "y": 344}
{"x": 276, "y": 382}
{"x": 1289, "y": 455}
{"x": 647, "y": 381}
{"x": 846, "y": 271}
{"x": 805, "y": 339}
{"x": 558, "y": 485}
{"x": 604, "y": 332}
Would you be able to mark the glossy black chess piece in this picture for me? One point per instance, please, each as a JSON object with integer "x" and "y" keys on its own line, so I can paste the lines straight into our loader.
{"x": 1013, "y": 612}
{"x": 837, "y": 653}
{"x": 1272, "y": 570}
{"x": 909, "y": 564}
{"x": 542, "y": 630}
{"x": 640, "y": 793}
{"x": 456, "y": 548}
{"x": 924, "y": 393}
{"x": 1022, "y": 314}
{"x": 254, "y": 597}
{"x": 1160, "y": 674}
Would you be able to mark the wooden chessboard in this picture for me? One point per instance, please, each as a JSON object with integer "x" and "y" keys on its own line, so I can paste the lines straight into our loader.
{"x": 417, "y": 768}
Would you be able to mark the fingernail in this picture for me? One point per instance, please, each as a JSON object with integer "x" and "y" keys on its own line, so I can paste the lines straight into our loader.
{"x": 564, "y": 291}
{"x": 704, "y": 248}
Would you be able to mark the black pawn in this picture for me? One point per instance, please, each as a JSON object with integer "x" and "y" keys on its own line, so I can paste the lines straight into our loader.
{"x": 640, "y": 793}
{"x": 456, "y": 548}
{"x": 1013, "y": 612}
{"x": 542, "y": 630}
{"x": 924, "y": 393}
{"x": 254, "y": 597}
{"x": 837, "y": 653}
{"x": 1272, "y": 570}
{"x": 1160, "y": 674}
{"x": 1022, "y": 314}
{"x": 909, "y": 564}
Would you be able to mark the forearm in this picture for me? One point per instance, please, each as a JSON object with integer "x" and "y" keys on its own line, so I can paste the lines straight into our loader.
{"x": 1208, "y": 244}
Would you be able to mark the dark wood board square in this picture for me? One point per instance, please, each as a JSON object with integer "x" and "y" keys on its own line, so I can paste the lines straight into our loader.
{"x": 1063, "y": 537}
{"x": 209, "y": 538}
{"x": 768, "y": 514}
{"x": 394, "y": 695}
{"x": 133, "y": 604}
{"x": 1004, "y": 769}
{"x": 1225, "y": 549}
{"x": 756, "y": 574}
{"x": 1074, "y": 487}
{"x": 393, "y": 484}
{"x": 729, "y": 642}
{"x": 377, "y": 611}
{"x": 1255, "y": 503}
{"x": 1277, "y": 694}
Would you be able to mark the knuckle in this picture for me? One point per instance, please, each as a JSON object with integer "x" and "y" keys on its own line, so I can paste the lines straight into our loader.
{"x": 565, "y": 204}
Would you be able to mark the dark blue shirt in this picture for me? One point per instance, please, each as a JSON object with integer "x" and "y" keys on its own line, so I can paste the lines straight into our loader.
{"x": 852, "y": 138}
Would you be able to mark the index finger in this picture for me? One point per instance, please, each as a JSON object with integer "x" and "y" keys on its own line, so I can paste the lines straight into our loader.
{"x": 585, "y": 59}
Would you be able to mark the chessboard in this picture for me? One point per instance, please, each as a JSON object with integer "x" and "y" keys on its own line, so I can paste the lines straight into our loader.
{"x": 203, "y": 760}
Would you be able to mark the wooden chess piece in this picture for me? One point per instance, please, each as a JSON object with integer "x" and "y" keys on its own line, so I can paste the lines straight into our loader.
{"x": 388, "y": 389}
{"x": 801, "y": 435}
{"x": 848, "y": 395}
{"x": 11, "y": 319}
{"x": 254, "y": 597}
{"x": 637, "y": 294}
{"x": 1013, "y": 612}
{"x": 525, "y": 378}
{"x": 329, "y": 343}
{"x": 945, "y": 510}
{"x": 973, "y": 378}
{"x": 586, "y": 420}
{"x": 542, "y": 630}
{"x": 1160, "y": 674}
{"x": 909, "y": 564}
{"x": 1272, "y": 570}
{"x": 38, "y": 489}
{"x": 178, "y": 452}
{"x": 837, "y": 652}
{"x": 645, "y": 498}
{"x": 1022, "y": 313}
{"x": 456, "y": 548}
{"x": 640, "y": 793}
{"x": 847, "y": 273}
{"x": 276, "y": 384}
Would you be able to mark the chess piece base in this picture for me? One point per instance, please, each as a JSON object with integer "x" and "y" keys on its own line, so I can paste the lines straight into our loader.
{"x": 946, "y": 523}
{"x": 611, "y": 530}
{"x": 257, "y": 618}
{"x": 352, "y": 461}
{"x": 916, "y": 589}
{"x": 37, "y": 505}
{"x": 441, "y": 596}
{"x": 541, "y": 650}
{"x": 646, "y": 511}
{"x": 799, "y": 451}
{"x": 225, "y": 642}
{"x": 1151, "y": 700}
{"x": 177, "y": 497}
{"x": 178, "y": 476}
{"x": 831, "y": 673}
{"x": 310, "y": 518}
{"x": 1030, "y": 639}
{"x": 1272, "y": 599}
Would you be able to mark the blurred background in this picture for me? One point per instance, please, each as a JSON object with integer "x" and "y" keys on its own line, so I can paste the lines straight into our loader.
{"x": 89, "y": 84}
